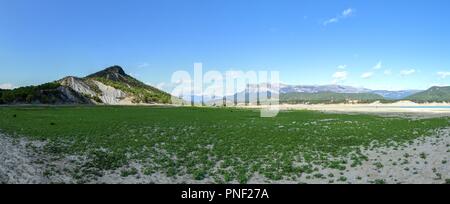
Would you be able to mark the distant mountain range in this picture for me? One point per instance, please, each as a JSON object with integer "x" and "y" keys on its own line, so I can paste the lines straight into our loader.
{"x": 323, "y": 93}
{"x": 337, "y": 94}
{"x": 395, "y": 95}
{"x": 110, "y": 86}
{"x": 322, "y": 88}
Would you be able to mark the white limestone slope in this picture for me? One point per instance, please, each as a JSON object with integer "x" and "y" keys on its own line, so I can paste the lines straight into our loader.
{"x": 78, "y": 85}
{"x": 107, "y": 94}
{"x": 112, "y": 96}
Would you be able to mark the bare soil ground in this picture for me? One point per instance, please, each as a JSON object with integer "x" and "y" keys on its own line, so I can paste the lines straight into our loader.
{"x": 422, "y": 161}
{"x": 19, "y": 163}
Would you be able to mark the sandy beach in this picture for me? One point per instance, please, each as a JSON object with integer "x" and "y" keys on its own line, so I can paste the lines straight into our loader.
{"x": 400, "y": 108}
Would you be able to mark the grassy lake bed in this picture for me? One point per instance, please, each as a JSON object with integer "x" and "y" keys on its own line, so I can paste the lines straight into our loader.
{"x": 136, "y": 144}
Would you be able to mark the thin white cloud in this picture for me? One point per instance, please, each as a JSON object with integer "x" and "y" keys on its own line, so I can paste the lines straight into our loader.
{"x": 387, "y": 72}
{"x": 7, "y": 86}
{"x": 367, "y": 75}
{"x": 378, "y": 65}
{"x": 344, "y": 14}
{"x": 143, "y": 65}
{"x": 443, "y": 75}
{"x": 339, "y": 76}
{"x": 331, "y": 20}
{"x": 347, "y": 12}
{"x": 342, "y": 66}
{"x": 407, "y": 72}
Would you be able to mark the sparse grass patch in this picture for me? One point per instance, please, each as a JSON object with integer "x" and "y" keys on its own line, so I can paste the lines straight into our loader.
{"x": 342, "y": 179}
{"x": 423, "y": 155}
{"x": 379, "y": 181}
{"x": 129, "y": 172}
{"x": 378, "y": 165}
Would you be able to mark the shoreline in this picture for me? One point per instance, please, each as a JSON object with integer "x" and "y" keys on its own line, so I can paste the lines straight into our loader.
{"x": 401, "y": 108}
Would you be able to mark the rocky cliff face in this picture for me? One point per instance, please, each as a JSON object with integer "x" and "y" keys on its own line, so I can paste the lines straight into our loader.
{"x": 78, "y": 85}
{"x": 95, "y": 91}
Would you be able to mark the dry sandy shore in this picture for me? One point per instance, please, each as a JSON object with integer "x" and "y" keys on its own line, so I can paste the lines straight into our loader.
{"x": 24, "y": 162}
{"x": 17, "y": 164}
{"x": 401, "y": 108}
{"x": 424, "y": 161}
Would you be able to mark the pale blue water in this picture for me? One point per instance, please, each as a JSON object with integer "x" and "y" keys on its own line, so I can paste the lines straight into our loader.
{"x": 424, "y": 107}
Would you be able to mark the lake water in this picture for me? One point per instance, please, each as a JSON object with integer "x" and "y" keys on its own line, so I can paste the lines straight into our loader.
{"x": 433, "y": 107}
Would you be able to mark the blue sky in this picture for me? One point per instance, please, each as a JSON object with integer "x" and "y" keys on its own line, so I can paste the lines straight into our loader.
{"x": 382, "y": 44}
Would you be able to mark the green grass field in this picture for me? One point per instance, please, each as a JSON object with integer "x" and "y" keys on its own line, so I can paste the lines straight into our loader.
{"x": 224, "y": 144}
